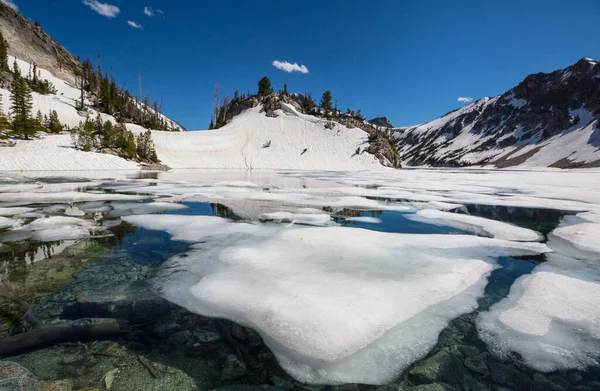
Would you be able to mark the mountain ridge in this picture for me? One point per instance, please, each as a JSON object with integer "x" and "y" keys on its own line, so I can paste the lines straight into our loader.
{"x": 548, "y": 119}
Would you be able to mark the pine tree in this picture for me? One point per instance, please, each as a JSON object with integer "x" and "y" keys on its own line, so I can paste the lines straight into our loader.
{"x": 21, "y": 99}
{"x": 3, "y": 53}
{"x": 285, "y": 91}
{"x": 308, "y": 104}
{"x": 130, "y": 147}
{"x": 3, "y": 121}
{"x": 54, "y": 124}
{"x": 326, "y": 103}
{"x": 264, "y": 86}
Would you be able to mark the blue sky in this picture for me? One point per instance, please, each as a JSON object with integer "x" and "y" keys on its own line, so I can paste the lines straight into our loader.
{"x": 407, "y": 60}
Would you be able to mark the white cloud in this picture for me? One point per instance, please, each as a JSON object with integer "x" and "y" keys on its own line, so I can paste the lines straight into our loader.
{"x": 104, "y": 9}
{"x": 465, "y": 99}
{"x": 133, "y": 24}
{"x": 11, "y": 4}
{"x": 288, "y": 67}
{"x": 148, "y": 11}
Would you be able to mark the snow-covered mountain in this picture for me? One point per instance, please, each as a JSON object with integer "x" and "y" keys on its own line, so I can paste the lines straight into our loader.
{"x": 548, "y": 120}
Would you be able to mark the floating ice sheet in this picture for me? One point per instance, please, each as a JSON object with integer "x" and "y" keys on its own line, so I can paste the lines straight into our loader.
{"x": 136, "y": 208}
{"x": 364, "y": 219}
{"x": 334, "y": 304}
{"x": 584, "y": 236}
{"x": 68, "y": 196}
{"x": 550, "y": 317}
{"x": 48, "y": 229}
{"x": 5, "y": 222}
{"x": 317, "y": 219}
{"x": 15, "y": 211}
{"x": 477, "y": 225}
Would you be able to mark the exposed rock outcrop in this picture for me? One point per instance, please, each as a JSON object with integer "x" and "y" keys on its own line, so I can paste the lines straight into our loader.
{"x": 558, "y": 109}
{"x": 30, "y": 43}
{"x": 382, "y": 122}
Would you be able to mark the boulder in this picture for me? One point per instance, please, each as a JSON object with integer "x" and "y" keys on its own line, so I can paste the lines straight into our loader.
{"x": 441, "y": 367}
{"x": 14, "y": 377}
{"x": 233, "y": 368}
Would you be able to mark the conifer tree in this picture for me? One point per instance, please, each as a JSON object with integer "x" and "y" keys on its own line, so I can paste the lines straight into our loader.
{"x": 3, "y": 53}
{"x": 3, "y": 121}
{"x": 264, "y": 86}
{"x": 54, "y": 124}
{"x": 21, "y": 99}
{"x": 326, "y": 103}
{"x": 130, "y": 147}
{"x": 308, "y": 104}
{"x": 285, "y": 91}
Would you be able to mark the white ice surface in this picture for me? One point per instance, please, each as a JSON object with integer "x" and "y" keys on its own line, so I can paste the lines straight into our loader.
{"x": 477, "y": 225}
{"x": 318, "y": 219}
{"x": 334, "y": 304}
{"x": 6, "y": 222}
{"x": 584, "y": 236}
{"x": 551, "y": 317}
{"x": 15, "y": 211}
{"x": 364, "y": 219}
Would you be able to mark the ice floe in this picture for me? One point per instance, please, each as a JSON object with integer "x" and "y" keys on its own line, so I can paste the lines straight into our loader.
{"x": 334, "y": 304}
{"x": 584, "y": 236}
{"x": 477, "y": 225}
{"x": 135, "y": 208}
{"x": 48, "y": 229}
{"x": 550, "y": 317}
{"x": 364, "y": 219}
{"x": 6, "y": 222}
{"x": 15, "y": 211}
{"x": 318, "y": 219}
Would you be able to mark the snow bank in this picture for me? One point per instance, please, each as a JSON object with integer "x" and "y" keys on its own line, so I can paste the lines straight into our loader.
{"x": 550, "y": 317}
{"x": 477, "y": 225}
{"x": 391, "y": 294}
{"x": 240, "y": 144}
{"x": 55, "y": 153}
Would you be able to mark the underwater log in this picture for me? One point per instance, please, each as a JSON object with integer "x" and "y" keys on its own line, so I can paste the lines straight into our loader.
{"x": 74, "y": 330}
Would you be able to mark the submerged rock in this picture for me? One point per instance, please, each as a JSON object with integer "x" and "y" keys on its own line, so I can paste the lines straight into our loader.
{"x": 14, "y": 377}
{"x": 440, "y": 367}
{"x": 233, "y": 368}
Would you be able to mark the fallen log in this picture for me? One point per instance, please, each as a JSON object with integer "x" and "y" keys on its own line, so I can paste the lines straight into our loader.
{"x": 74, "y": 330}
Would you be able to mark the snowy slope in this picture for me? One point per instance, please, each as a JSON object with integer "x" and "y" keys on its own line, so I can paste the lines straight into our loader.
{"x": 548, "y": 120}
{"x": 64, "y": 101}
{"x": 239, "y": 145}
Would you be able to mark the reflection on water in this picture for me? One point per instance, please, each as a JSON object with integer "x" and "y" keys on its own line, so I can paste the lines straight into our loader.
{"x": 112, "y": 277}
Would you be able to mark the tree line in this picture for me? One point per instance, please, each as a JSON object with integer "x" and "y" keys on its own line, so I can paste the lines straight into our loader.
{"x": 20, "y": 119}
{"x": 326, "y": 107}
{"x": 103, "y": 136}
{"x": 107, "y": 97}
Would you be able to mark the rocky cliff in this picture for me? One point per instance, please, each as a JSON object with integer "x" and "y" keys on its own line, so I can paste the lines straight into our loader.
{"x": 30, "y": 43}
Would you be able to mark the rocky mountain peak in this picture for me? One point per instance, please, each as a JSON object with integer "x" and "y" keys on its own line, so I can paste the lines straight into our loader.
{"x": 381, "y": 122}
{"x": 551, "y": 118}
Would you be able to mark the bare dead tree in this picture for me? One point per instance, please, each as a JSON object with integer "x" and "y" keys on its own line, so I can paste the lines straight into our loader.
{"x": 216, "y": 103}
{"x": 225, "y": 106}
{"x": 80, "y": 83}
{"x": 139, "y": 86}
